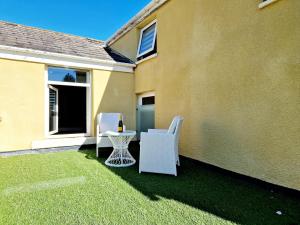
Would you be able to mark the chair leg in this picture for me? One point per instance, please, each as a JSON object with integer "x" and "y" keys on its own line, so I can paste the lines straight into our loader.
{"x": 97, "y": 149}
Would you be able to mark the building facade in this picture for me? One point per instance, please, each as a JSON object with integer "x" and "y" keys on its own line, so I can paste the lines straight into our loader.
{"x": 230, "y": 68}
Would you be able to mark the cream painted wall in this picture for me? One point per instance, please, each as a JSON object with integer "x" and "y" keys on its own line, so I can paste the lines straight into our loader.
{"x": 233, "y": 72}
{"x": 125, "y": 45}
{"x": 113, "y": 92}
{"x": 22, "y": 101}
{"x": 21, "y": 104}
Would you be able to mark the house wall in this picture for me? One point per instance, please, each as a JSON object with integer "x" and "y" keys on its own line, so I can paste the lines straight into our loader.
{"x": 232, "y": 71}
{"x": 128, "y": 44}
{"x": 22, "y": 103}
{"x": 113, "y": 92}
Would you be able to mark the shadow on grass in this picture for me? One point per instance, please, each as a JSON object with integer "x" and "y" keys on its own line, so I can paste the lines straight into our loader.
{"x": 229, "y": 196}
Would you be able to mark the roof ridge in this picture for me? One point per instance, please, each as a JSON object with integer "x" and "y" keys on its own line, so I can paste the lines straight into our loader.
{"x": 52, "y": 31}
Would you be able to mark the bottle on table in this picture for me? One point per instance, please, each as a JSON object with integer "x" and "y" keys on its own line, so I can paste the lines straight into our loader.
{"x": 120, "y": 125}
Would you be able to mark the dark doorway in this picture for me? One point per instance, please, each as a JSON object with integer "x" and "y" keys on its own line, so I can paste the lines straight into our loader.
{"x": 71, "y": 109}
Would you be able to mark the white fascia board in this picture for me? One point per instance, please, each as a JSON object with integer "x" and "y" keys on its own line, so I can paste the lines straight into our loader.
{"x": 49, "y": 58}
{"x": 138, "y": 18}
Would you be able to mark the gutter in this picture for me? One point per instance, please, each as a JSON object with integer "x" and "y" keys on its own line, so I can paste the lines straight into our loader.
{"x": 139, "y": 17}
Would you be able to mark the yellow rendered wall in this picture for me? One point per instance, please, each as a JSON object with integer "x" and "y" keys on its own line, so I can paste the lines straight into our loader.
{"x": 22, "y": 101}
{"x": 233, "y": 72}
{"x": 113, "y": 92}
{"x": 128, "y": 44}
{"x": 21, "y": 104}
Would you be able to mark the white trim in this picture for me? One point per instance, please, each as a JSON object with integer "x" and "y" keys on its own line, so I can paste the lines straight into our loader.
{"x": 46, "y": 100}
{"x": 147, "y": 58}
{"x": 139, "y": 17}
{"x": 57, "y": 59}
{"x": 266, "y": 3}
{"x": 73, "y": 84}
{"x": 56, "y": 106}
{"x": 143, "y": 95}
{"x": 68, "y": 135}
{"x": 61, "y": 142}
{"x": 153, "y": 41}
{"x": 89, "y": 104}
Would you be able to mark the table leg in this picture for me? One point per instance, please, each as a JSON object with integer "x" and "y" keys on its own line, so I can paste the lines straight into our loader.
{"x": 120, "y": 157}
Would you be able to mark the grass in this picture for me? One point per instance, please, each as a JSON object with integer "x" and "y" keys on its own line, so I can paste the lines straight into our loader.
{"x": 76, "y": 188}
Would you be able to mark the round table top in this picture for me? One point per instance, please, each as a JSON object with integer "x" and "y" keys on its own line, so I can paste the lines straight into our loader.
{"x": 124, "y": 133}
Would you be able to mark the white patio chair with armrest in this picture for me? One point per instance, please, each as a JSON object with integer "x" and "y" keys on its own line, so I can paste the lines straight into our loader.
{"x": 159, "y": 149}
{"x": 171, "y": 129}
{"x": 105, "y": 122}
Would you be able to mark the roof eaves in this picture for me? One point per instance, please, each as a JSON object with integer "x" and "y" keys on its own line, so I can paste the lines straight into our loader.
{"x": 138, "y": 18}
{"x": 38, "y": 53}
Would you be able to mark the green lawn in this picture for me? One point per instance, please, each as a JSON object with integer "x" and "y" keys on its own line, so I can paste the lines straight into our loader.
{"x": 75, "y": 188}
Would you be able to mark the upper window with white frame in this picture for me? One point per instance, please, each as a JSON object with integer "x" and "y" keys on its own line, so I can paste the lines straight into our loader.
{"x": 147, "y": 43}
{"x": 265, "y": 3}
{"x": 66, "y": 75}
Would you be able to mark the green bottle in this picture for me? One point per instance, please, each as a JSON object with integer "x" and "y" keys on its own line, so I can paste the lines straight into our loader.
{"x": 120, "y": 125}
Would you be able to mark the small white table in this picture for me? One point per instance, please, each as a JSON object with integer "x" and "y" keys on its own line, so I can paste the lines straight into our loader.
{"x": 120, "y": 157}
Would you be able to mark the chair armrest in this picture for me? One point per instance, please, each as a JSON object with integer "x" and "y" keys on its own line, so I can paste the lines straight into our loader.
{"x": 161, "y": 138}
{"x": 97, "y": 130}
{"x": 157, "y": 130}
{"x": 98, "y": 134}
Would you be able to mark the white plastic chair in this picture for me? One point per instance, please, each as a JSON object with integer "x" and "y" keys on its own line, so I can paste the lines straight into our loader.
{"x": 105, "y": 122}
{"x": 159, "y": 149}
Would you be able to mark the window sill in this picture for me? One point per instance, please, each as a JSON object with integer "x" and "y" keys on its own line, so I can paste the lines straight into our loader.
{"x": 266, "y": 3}
{"x": 147, "y": 58}
{"x": 57, "y": 136}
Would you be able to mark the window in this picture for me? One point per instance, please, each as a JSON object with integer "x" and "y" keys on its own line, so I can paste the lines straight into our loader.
{"x": 147, "y": 44}
{"x": 68, "y": 102}
{"x": 148, "y": 100}
{"x": 265, "y": 3}
{"x": 66, "y": 75}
